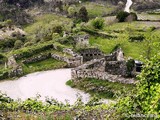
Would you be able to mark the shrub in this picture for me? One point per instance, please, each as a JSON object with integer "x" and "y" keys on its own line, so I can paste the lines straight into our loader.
{"x": 18, "y": 44}
{"x": 57, "y": 29}
{"x": 130, "y": 66}
{"x": 55, "y": 36}
{"x": 121, "y": 16}
{"x": 83, "y": 14}
{"x": 98, "y": 23}
{"x": 71, "y": 11}
{"x": 7, "y": 43}
{"x": 9, "y": 22}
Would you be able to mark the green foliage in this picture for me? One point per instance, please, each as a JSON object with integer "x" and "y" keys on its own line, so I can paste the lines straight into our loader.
{"x": 43, "y": 65}
{"x": 57, "y": 29}
{"x": 29, "y": 51}
{"x": 121, "y": 16}
{"x": 71, "y": 11}
{"x": 55, "y": 36}
{"x": 44, "y": 27}
{"x": 18, "y": 44}
{"x": 100, "y": 88}
{"x": 83, "y": 14}
{"x": 7, "y": 43}
{"x": 9, "y": 22}
{"x": 98, "y": 23}
{"x": 33, "y": 108}
{"x": 130, "y": 66}
{"x": 139, "y": 38}
{"x": 70, "y": 83}
{"x": 145, "y": 100}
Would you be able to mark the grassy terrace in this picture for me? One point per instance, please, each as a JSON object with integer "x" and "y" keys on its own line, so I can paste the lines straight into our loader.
{"x": 123, "y": 31}
{"x": 43, "y": 65}
{"x": 101, "y": 88}
{"x": 95, "y": 10}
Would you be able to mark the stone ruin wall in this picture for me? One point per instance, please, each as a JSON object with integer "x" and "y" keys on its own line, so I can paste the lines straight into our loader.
{"x": 37, "y": 58}
{"x": 74, "y": 60}
{"x": 82, "y": 39}
{"x": 91, "y": 53}
{"x": 71, "y": 62}
{"x": 109, "y": 68}
{"x": 116, "y": 67}
{"x": 85, "y": 71}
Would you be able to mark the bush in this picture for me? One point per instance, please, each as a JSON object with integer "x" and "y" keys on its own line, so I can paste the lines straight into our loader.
{"x": 7, "y": 43}
{"x": 55, "y": 36}
{"x": 18, "y": 44}
{"x": 130, "y": 66}
{"x": 83, "y": 14}
{"x": 58, "y": 29}
{"x": 121, "y": 16}
{"x": 98, "y": 23}
{"x": 71, "y": 11}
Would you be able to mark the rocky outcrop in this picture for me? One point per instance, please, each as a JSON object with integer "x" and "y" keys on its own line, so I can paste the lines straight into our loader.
{"x": 82, "y": 40}
{"x": 15, "y": 68}
{"x": 11, "y": 32}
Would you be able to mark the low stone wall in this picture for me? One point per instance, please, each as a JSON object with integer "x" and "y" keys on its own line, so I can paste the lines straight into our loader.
{"x": 37, "y": 58}
{"x": 70, "y": 52}
{"x": 79, "y": 73}
{"x": 72, "y": 62}
{"x": 97, "y": 64}
{"x": 97, "y": 69}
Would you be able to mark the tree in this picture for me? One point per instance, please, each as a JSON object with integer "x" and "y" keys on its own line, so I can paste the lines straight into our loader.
{"x": 144, "y": 101}
{"x": 83, "y": 14}
{"x": 122, "y": 15}
{"x": 98, "y": 23}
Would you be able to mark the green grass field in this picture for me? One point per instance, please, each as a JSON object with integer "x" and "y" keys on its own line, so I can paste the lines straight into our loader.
{"x": 43, "y": 65}
{"x": 97, "y": 10}
{"x": 123, "y": 31}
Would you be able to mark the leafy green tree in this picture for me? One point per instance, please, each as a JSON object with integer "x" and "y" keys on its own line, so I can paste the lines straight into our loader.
{"x": 121, "y": 16}
{"x": 98, "y": 23}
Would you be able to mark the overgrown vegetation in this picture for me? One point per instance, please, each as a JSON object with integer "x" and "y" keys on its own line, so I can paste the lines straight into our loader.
{"x": 100, "y": 88}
